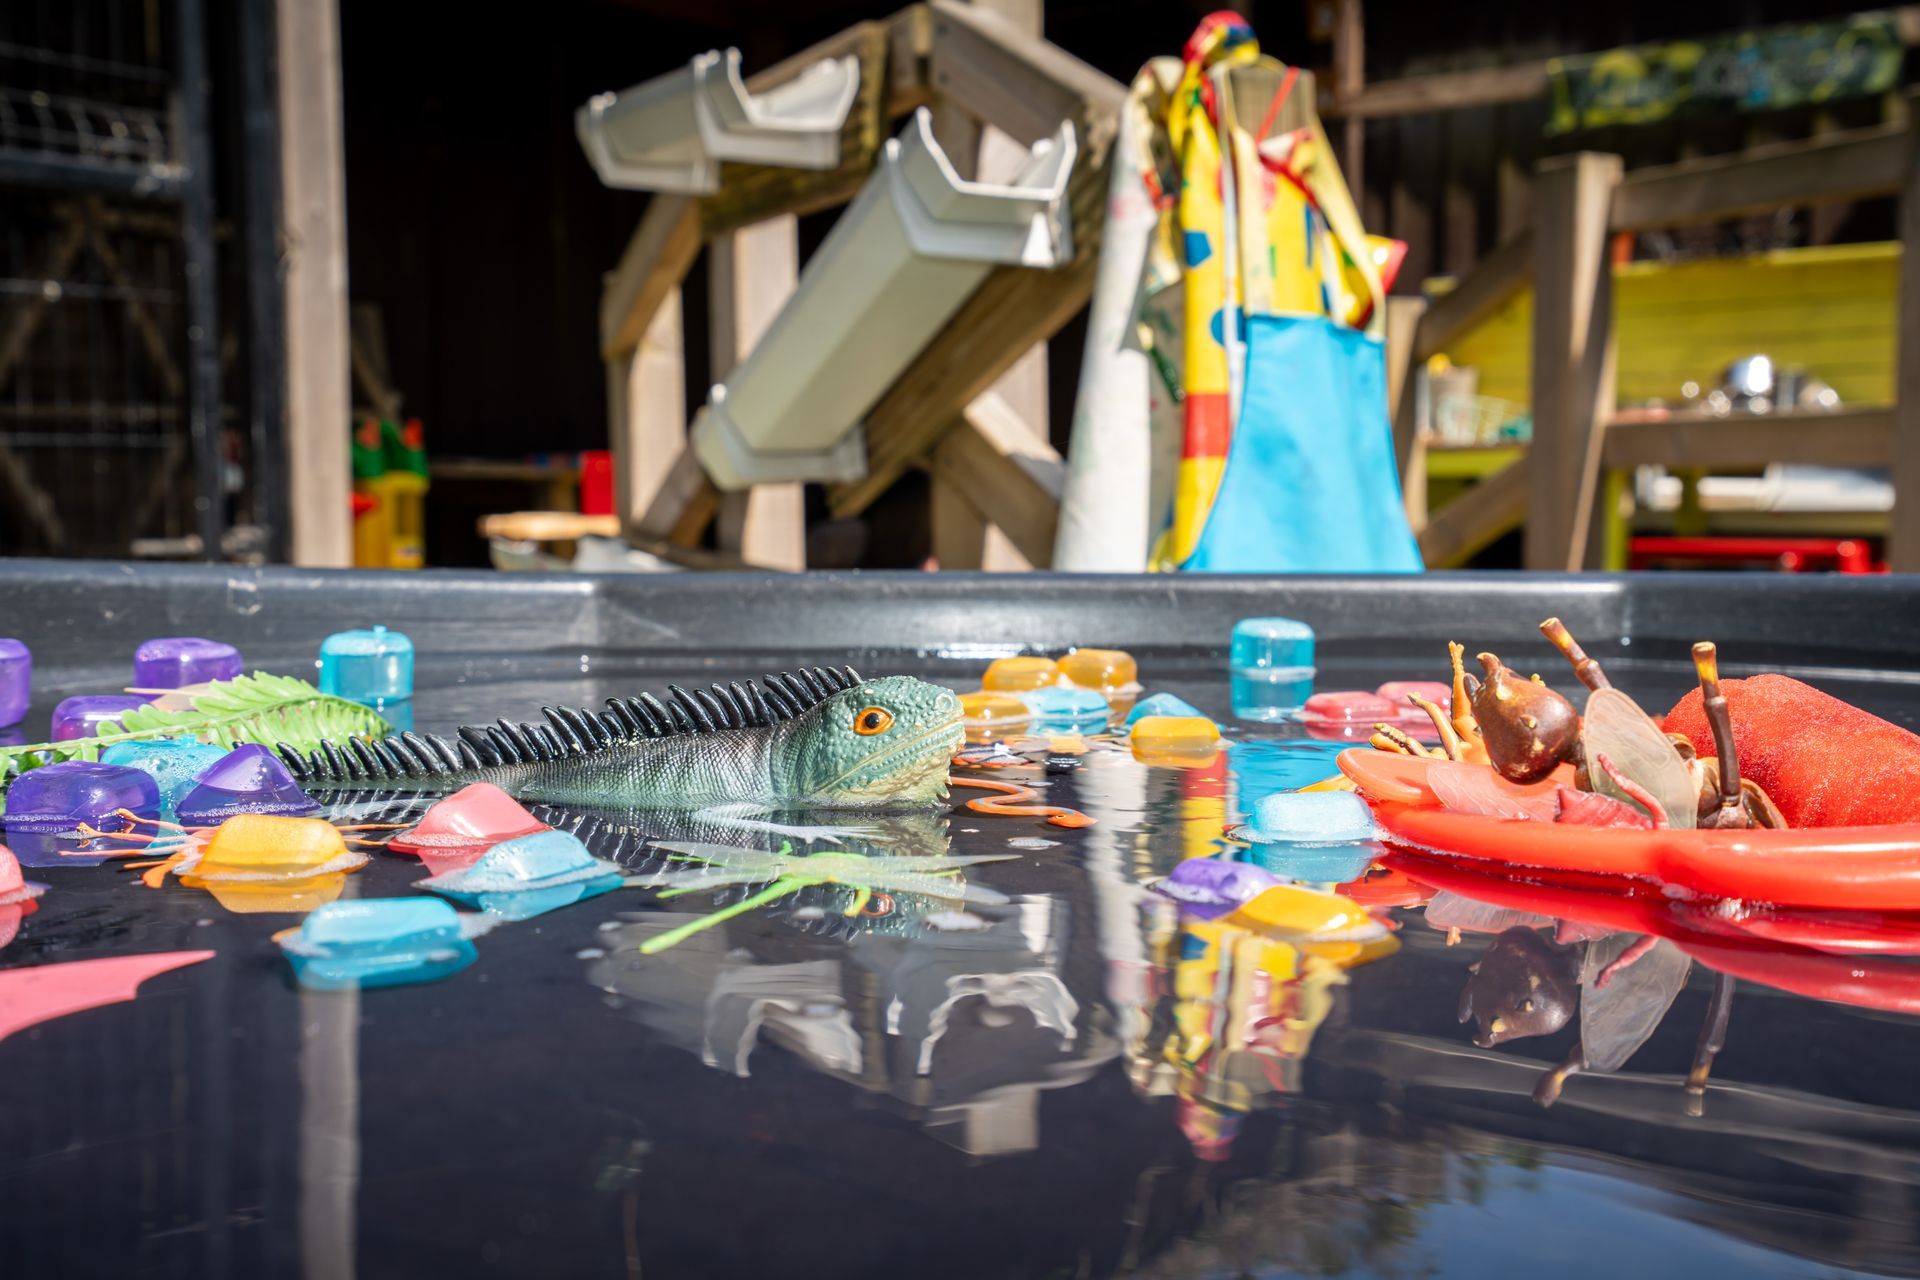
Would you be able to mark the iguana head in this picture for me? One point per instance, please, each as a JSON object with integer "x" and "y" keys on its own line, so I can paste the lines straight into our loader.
{"x": 882, "y": 743}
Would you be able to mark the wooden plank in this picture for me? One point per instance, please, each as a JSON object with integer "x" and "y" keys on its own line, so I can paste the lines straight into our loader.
{"x": 1450, "y": 91}
{"x": 1011, "y": 476}
{"x": 909, "y": 46}
{"x": 681, "y": 509}
{"x": 1842, "y": 166}
{"x": 1019, "y": 397}
{"x": 656, "y": 260}
{"x": 1349, "y": 80}
{"x": 965, "y": 539}
{"x": 959, "y": 530}
{"x": 1573, "y": 355}
{"x": 1846, "y": 438}
{"x": 646, "y": 395}
{"x": 1459, "y": 530}
{"x": 1903, "y": 534}
{"x": 314, "y": 235}
{"x": 367, "y": 349}
{"x": 1489, "y": 286}
{"x": 750, "y": 275}
{"x": 1404, "y": 317}
{"x": 1018, "y": 82}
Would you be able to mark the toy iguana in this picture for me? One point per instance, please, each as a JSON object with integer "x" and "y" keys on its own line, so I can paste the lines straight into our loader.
{"x": 817, "y": 739}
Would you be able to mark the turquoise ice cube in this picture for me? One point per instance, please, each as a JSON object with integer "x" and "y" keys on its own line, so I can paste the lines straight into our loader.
{"x": 1161, "y": 704}
{"x": 1066, "y": 710}
{"x": 371, "y": 666}
{"x": 377, "y": 942}
{"x": 1270, "y": 667}
{"x": 175, "y": 764}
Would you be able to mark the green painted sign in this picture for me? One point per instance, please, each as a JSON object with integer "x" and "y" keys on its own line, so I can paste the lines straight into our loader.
{"x": 1762, "y": 70}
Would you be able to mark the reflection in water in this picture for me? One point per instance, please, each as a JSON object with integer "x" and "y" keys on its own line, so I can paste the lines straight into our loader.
{"x": 963, "y": 1019}
{"x": 1180, "y": 1096}
{"x": 965, "y": 1029}
{"x": 1632, "y": 956}
{"x": 329, "y": 1131}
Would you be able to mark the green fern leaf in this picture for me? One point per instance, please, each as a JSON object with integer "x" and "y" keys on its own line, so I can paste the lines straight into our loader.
{"x": 259, "y": 708}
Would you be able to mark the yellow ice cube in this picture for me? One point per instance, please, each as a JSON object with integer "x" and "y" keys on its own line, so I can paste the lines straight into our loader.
{"x": 1017, "y": 675}
{"x": 276, "y": 897}
{"x": 1101, "y": 669}
{"x": 1176, "y": 742}
{"x": 252, "y": 841}
{"x": 989, "y": 715}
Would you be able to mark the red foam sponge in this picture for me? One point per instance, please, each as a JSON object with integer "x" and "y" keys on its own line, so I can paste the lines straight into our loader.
{"x": 1825, "y": 762}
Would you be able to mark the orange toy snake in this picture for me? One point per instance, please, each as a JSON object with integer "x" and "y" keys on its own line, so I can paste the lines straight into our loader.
{"x": 1015, "y": 800}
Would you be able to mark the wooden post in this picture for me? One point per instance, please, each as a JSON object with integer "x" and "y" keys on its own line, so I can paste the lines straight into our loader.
{"x": 965, "y": 539}
{"x": 647, "y": 407}
{"x": 1573, "y": 355}
{"x": 1903, "y": 533}
{"x": 1008, "y": 474}
{"x": 751, "y": 273}
{"x": 1409, "y": 451}
{"x": 313, "y": 184}
{"x": 981, "y": 151}
{"x": 1349, "y": 77}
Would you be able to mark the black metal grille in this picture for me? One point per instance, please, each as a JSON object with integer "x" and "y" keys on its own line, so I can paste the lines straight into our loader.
{"x": 113, "y": 431}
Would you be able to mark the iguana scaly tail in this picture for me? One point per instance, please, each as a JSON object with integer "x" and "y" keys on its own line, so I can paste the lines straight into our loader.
{"x": 820, "y": 738}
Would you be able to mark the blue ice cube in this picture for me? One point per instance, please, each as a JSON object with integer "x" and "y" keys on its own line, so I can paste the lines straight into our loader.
{"x": 377, "y": 942}
{"x": 1269, "y": 693}
{"x": 1270, "y": 665}
{"x": 1260, "y": 769}
{"x": 1310, "y": 817}
{"x": 1066, "y": 710}
{"x": 529, "y": 875}
{"x": 1317, "y": 863}
{"x": 1271, "y": 643}
{"x": 369, "y": 667}
{"x": 175, "y": 764}
{"x": 1160, "y": 704}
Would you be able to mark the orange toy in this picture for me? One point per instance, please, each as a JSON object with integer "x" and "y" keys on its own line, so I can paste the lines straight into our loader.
{"x": 1825, "y": 762}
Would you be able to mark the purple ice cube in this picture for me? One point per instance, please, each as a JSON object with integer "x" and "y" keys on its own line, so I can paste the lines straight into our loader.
{"x": 82, "y": 717}
{"x": 173, "y": 662}
{"x": 16, "y": 681}
{"x": 250, "y": 779}
{"x": 56, "y": 798}
{"x": 1209, "y": 887}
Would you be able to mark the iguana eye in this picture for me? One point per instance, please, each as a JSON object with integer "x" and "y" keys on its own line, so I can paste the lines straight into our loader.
{"x": 873, "y": 720}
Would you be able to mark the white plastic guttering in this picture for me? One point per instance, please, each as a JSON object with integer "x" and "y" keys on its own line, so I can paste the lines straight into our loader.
{"x": 898, "y": 264}
{"x": 671, "y": 133}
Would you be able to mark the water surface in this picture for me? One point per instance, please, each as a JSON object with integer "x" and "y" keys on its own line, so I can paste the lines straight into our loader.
{"x": 1012, "y": 1093}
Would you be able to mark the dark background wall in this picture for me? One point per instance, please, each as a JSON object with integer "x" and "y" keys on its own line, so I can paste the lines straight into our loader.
{"x": 479, "y": 229}
{"x": 476, "y": 225}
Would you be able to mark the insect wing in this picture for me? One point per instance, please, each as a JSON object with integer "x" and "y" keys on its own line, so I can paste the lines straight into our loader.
{"x": 1615, "y": 1020}
{"x": 1616, "y": 727}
